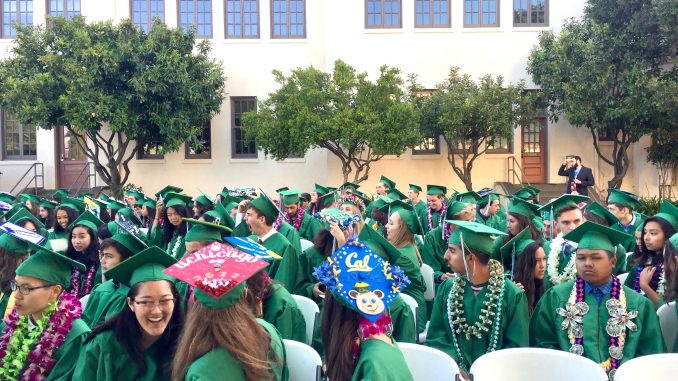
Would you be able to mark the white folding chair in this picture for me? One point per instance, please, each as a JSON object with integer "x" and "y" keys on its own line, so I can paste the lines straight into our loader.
{"x": 305, "y": 244}
{"x": 519, "y": 364}
{"x": 414, "y": 306}
{"x": 303, "y": 362}
{"x": 668, "y": 320}
{"x": 310, "y": 311}
{"x": 427, "y": 272}
{"x": 428, "y": 364}
{"x": 622, "y": 277}
{"x": 661, "y": 367}
{"x": 83, "y": 301}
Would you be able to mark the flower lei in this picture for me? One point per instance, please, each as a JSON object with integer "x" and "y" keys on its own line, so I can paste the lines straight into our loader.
{"x": 367, "y": 329}
{"x": 656, "y": 283}
{"x": 177, "y": 244}
{"x": 620, "y": 319}
{"x": 89, "y": 281}
{"x": 553, "y": 261}
{"x": 430, "y": 215}
{"x": 18, "y": 361}
{"x": 490, "y": 316}
{"x": 277, "y": 222}
{"x": 297, "y": 221}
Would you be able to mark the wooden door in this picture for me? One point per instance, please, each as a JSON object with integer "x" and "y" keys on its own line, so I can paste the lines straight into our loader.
{"x": 533, "y": 152}
{"x": 73, "y": 169}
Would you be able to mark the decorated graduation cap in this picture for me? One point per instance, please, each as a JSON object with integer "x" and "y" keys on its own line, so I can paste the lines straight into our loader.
{"x": 439, "y": 190}
{"x": 204, "y": 231}
{"x": 218, "y": 273}
{"x": 354, "y": 199}
{"x": 415, "y": 188}
{"x": 171, "y": 199}
{"x": 128, "y": 239}
{"x": 127, "y": 214}
{"x": 519, "y": 206}
{"x": 406, "y": 213}
{"x": 87, "y": 219}
{"x": 593, "y": 236}
{"x": 47, "y": 265}
{"x": 148, "y": 265}
{"x": 470, "y": 197}
{"x": 266, "y": 206}
{"x": 170, "y": 188}
{"x": 601, "y": 212}
{"x": 669, "y": 213}
{"x": 361, "y": 280}
{"x": 290, "y": 196}
{"x": 339, "y": 217}
{"x": 73, "y": 203}
{"x": 515, "y": 247}
{"x": 387, "y": 182}
{"x": 7, "y": 197}
{"x": 475, "y": 236}
{"x": 623, "y": 198}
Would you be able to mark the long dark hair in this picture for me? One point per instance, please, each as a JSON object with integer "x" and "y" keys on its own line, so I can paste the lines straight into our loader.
{"x": 127, "y": 331}
{"x": 670, "y": 272}
{"x": 169, "y": 229}
{"x": 641, "y": 257}
{"x": 338, "y": 332}
{"x": 324, "y": 242}
{"x": 90, "y": 257}
{"x": 72, "y": 216}
{"x": 50, "y": 220}
{"x": 524, "y": 274}
{"x": 523, "y": 222}
{"x": 148, "y": 221}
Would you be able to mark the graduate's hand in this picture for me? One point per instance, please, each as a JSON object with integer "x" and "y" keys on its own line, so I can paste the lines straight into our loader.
{"x": 316, "y": 291}
{"x": 577, "y": 181}
{"x": 520, "y": 285}
{"x": 336, "y": 232}
{"x": 445, "y": 276}
{"x": 646, "y": 276}
{"x": 159, "y": 206}
{"x": 464, "y": 375}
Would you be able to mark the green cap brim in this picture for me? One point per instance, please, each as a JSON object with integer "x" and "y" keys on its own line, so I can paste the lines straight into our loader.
{"x": 47, "y": 265}
{"x": 593, "y": 236}
{"x": 148, "y": 265}
{"x": 475, "y": 236}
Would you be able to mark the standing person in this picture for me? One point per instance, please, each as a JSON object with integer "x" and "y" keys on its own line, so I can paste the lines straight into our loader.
{"x": 355, "y": 330}
{"x": 295, "y": 215}
{"x": 594, "y": 315}
{"x": 222, "y": 340}
{"x": 623, "y": 206}
{"x": 43, "y": 336}
{"x": 384, "y": 185}
{"x": 413, "y": 193}
{"x": 579, "y": 178}
{"x": 433, "y": 216}
{"x": 137, "y": 343}
{"x": 529, "y": 266}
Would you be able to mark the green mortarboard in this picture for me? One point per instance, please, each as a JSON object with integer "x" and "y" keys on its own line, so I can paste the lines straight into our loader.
{"x": 129, "y": 240}
{"x": 23, "y": 214}
{"x": 386, "y": 181}
{"x": 170, "y": 188}
{"x": 221, "y": 215}
{"x": 290, "y": 196}
{"x": 406, "y": 213}
{"x": 136, "y": 193}
{"x": 86, "y": 219}
{"x": 30, "y": 197}
{"x": 47, "y": 265}
{"x": 436, "y": 189}
{"x": 327, "y": 199}
{"x": 674, "y": 241}
{"x": 454, "y": 208}
{"x": 414, "y": 187}
{"x": 13, "y": 245}
{"x": 15, "y": 209}
{"x": 395, "y": 194}
{"x": 601, "y": 212}
{"x": 527, "y": 193}
{"x": 148, "y": 265}
{"x": 470, "y": 196}
{"x": 7, "y": 197}
{"x": 593, "y": 236}
{"x": 561, "y": 202}
{"x": 320, "y": 189}
{"x": 171, "y": 199}
{"x": 279, "y": 190}
{"x": 626, "y": 199}
{"x": 475, "y": 236}
{"x": 515, "y": 247}
{"x": 489, "y": 198}
{"x": 266, "y": 206}
{"x": 204, "y": 231}
{"x": 102, "y": 204}
{"x": 149, "y": 202}
{"x": 115, "y": 204}
{"x": 104, "y": 196}
{"x": 379, "y": 202}
{"x": 349, "y": 185}
{"x": 83, "y": 195}
{"x": 519, "y": 206}
{"x": 60, "y": 192}
{"x": 73, "y": 203}
{"x": 203, "y": 200}
{"x": 379, "y": 244}
{"x": 669, "y": 213}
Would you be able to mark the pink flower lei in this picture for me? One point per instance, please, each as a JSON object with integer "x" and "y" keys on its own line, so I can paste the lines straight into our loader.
{"x": 367, "y": 329}
{"x": 40, "y": 360}
{"x": 89, "y": 281}
{"x": 297, "y": 221}
{"x": 430, "y": 216}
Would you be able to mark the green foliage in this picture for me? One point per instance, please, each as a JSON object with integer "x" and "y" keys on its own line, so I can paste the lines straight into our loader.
{"x": 356, "y": 119}
{"x": 651, "y": 205}
{"x": 663, "y": 151}
{"x": 112, "y": 84}
{"x": 471, "y": 115}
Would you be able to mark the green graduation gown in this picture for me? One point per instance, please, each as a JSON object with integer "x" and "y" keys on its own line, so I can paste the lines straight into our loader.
{"x": 309, "y": 227}
{"x": 493, "y": 221}
{"x": 630, "y": 244}
{"x": 105, "y": 359}
{"x": 67, "y": 354}
{"x": 105, "y": 300}
{"x": 308, "y": 261}
{"x": 419, "y": 207}
{"x": 282, "y": 311}
{"x": 409, "y": 263}
{"x": 286, "y": 270}
{"x": 514, "y": 322}
{"x": 380, "y": 361}
{"x": 291, "y": 234}
{"x": 433, "y": 252}
{"x": 95, "y": 281}
{"x": 403, "y": 321}
{"x": 435, "y": 220}
{"x": 218, "y": 364}
{"x": 4, "y": 302}
{"x": 546, "y": 331}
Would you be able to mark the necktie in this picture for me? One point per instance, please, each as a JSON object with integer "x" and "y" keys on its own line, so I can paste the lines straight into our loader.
{"x": 567, "y": 249}
{"x": 598, "y": 294}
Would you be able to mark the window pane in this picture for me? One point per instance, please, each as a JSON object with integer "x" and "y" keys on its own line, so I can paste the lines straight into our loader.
{"x": 241, "y": 147}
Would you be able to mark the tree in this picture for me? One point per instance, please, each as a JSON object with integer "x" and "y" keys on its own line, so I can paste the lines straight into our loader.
{"x": 111, "y": 86}
{"x": 600, "y": 72}
{"x": 662, "y": 152}
{"x": 357, "y": 120}
{"x": 470, "y": 116}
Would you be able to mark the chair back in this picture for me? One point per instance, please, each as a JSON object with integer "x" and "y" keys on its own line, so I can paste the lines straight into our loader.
{"x": 310, "y": 311}
{"x": 428, "y": 364}
{"x": 303, "y": 362}
{"x": 427, "y": 272}
{"x": 660, "y": 367}
{"x": 668, "y": 320}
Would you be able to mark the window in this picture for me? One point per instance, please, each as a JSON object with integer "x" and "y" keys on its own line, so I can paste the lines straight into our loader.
{"x": 63, "y": 8}
{"x": 241, "y": 147}
{"x": 145, "y": 11}
{"x": 150, "y": 149}
{"x": 288, "y": 18}
{"x": 500, "y": 145}
{"x": 480, "y": 13}
{"x": 204, "y": 152}
{"x": 530, "y": 13}
{"x": 18, "y": 140}
{"x": 429, "y": 145}
{"x": 196, "y": 14}
{"x": 383, "y": 14}
{"x": 606, "y": 135}
{"x": 242, "y": 18}
{"x": 13, "y": 12}
{"x": 432, "y": 14}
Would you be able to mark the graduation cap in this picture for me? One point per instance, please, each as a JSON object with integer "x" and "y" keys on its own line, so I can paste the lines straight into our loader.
{"x": 593, "y": 236}
{"x": 251, "y": 247}
{"x": 566, "y": 200}
{"x": 116, "y": 205}
{"x": 171, "y": 199}
{"x": 30, "y": 197}
{"x": 24, "y": 214}
{"x": 204, "y": 231}
{"x": 674, "y": 241}
{"x": 218, "y": 273}
{"x": 47, "y": 265}
{"x": 355, "y": 199}
{"x": 221, "y": 215}
{"x": 439, "y": 190}
{"x": 395, "y": 194}
{"x": 339, "y": 217}
{"x": 20, "y": 233}
{"x": 627, "y": 199}
{"x": 170, "y": 188}
{"x": 104, "y": 197}
{"x": 86, "y": 219}
{"x": 128, "y": 239}
{"x": 136, "y": 193}
{"x": 415, "y": 188}
{"x": 469, "y": 197}
{"x": 669, "y": 213}
{"x": 148, "y": 202}
{"x": 406, "y": 213}
{"x": 474, "y": 235}
{"x": 266, "y": 206}
{"x": 290, "y": 196}
{"x": 279, "y": 190}
{"x": 48, "y": 204}
{"x": 203, "y": 199}
{"x": 601, "y": 212}
{"x": 60, "y": 193}
{"x": 13, "y": 245}
{"x": 319, "y": 189}
{"x": 519, "y": 206}
{"x": 515, "y": 247}
{"x": 349, "y": 185}
{"x": 7, "y": 197}
{"x": 385, "y": 249}
{"x": 528, "y": 193}
{"x": 148, "y": 265}
{"x": 386, "y": 181}
{"x": 361, "y": 280}
{"x": 77, "y": 205}
{"x": 454, "y": 208}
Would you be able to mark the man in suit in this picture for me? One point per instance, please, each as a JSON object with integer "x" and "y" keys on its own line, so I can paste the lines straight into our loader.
{"x": 577, "y": 175}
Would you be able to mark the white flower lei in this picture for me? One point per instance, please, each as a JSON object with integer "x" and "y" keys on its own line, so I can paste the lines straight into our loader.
{"x": 661, "y": 287}
{"x": 177, "y": 244}
{"x": 570, "y": 270}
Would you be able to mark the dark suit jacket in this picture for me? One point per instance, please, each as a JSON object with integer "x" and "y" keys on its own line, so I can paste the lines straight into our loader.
{"x": 585, "y": 175}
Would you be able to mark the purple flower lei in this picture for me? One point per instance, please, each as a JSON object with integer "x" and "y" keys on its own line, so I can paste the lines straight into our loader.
{"x": 40, "y": 360}
{"x": 430, "y": 216}
{"x": 297, "y": 221}
{"x": 89, "y": 281}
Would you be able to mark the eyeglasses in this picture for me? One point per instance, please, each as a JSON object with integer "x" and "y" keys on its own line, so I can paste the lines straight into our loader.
{"x": 151, "y": 304}
{"x": 25, "y": 289}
